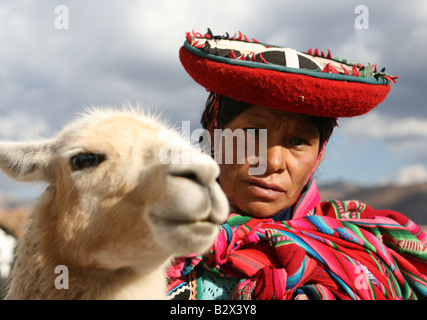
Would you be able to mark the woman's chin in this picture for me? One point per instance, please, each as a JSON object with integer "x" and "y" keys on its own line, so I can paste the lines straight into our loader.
{"x": 262, "y": 210}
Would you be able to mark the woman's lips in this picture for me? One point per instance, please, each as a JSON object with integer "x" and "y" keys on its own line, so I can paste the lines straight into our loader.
{"x": 264, "y": 189}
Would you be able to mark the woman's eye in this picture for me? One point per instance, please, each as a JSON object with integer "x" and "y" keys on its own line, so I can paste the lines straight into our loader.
{"x": 86, "y": 160}
{"x": 299, "y": 142}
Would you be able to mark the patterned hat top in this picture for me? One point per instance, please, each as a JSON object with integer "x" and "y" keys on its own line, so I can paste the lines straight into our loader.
{"x": 309, "y": 82}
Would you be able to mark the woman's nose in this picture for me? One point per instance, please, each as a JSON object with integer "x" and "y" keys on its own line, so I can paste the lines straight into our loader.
{"x": 276, "y": 159}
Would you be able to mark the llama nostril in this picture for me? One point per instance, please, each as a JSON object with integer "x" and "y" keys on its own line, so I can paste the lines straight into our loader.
{"x": 187, "y": 175}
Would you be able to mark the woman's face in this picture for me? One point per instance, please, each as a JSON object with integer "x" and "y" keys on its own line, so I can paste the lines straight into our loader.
{"x": 292, "y": 150}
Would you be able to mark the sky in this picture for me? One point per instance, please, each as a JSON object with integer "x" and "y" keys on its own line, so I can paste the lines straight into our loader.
{"x": 59, "y": 57}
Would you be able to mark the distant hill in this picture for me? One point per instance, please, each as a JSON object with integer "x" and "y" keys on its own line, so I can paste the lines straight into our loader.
{"x": 409, "y": 200}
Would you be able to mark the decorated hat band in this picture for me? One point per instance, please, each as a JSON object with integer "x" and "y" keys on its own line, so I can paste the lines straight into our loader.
{"x": 283, "y": 78}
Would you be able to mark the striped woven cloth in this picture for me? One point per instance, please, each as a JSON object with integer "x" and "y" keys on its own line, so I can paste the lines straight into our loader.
{"x": 338, "y": 250}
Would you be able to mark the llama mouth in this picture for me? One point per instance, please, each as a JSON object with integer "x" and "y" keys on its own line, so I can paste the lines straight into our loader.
{"x": 184, "y": 229}
{"x": 181, "y": 222}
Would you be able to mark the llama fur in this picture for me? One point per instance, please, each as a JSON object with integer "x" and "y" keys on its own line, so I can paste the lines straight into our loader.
{"x": 115, "y": 225}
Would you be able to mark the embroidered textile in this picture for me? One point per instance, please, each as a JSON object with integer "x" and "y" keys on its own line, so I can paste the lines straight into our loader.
{"x": 328, "y": 250}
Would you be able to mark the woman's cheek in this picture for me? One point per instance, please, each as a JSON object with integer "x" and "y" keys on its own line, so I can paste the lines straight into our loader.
{"x": 229, "y": 180}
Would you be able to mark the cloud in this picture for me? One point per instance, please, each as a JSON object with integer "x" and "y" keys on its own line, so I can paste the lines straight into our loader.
{"x": 127, "y": 50}
{"x": 21, "y": 126}
{"x": 378, "y": 126}
{"x": 413, "y": 174}
{"x": 404, "y": 137}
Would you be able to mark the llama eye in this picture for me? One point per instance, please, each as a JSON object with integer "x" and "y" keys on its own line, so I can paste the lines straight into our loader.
{"x": 86, "y": 160}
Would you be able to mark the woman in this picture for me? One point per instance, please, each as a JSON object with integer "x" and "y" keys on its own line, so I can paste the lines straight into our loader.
{"x": 280, "y": 241}
{"x": 294, "y": 150}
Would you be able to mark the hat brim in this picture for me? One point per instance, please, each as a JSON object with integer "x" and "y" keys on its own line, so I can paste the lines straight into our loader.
{"x": 284, "y": 88}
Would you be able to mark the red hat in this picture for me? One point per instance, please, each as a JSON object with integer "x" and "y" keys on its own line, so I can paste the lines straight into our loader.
{"x": 282, "y": 78}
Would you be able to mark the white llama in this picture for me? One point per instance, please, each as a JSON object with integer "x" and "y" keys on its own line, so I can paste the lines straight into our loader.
{"x": 113, "y": 214}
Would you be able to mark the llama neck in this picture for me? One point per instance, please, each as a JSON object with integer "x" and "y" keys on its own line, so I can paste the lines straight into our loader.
{"x": 33, "y": 275}
{"x": 140, "y": 286}
{"x": 124, "y": 284}
{"x": 37, "y": 279}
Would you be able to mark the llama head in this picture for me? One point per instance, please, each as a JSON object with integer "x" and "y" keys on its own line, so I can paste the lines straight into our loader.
{"x": 112, "y": 201}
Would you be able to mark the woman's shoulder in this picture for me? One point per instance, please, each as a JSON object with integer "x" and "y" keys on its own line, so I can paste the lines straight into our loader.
{"x": 354, "y": 209}
{"x": 357, "y": 212}
{"x": 348, "y": 209}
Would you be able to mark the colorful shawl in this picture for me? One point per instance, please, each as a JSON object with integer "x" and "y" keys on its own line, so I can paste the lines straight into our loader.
{"x": 328, "y": 250}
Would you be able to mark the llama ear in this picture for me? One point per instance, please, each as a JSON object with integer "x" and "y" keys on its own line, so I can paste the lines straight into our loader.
{"x": 26, "y": 161}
